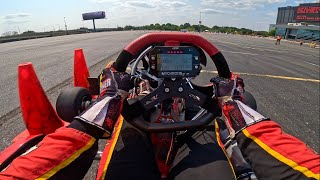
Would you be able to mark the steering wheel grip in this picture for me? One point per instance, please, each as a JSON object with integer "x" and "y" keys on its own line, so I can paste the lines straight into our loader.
{"x": 131, "y": 51}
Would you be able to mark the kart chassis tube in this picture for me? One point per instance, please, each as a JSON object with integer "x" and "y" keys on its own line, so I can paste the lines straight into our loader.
{"x": 132, "y": 50}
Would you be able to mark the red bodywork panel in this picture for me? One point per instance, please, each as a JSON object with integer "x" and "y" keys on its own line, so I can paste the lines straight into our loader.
{"x": 39, "y": 116}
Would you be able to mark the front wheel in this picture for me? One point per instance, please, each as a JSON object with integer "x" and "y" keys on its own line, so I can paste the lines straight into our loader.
{"x": 71, "y": 102}
{"x": 249, "y": 100}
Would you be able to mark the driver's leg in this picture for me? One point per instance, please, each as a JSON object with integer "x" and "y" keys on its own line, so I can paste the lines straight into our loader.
{"x": 132, "y": 157}
{"x": 201, "y": 158}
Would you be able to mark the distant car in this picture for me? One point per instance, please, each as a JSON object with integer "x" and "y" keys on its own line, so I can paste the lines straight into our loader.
{"x": 206, "y": 30}
{"x": 183, "y": 30}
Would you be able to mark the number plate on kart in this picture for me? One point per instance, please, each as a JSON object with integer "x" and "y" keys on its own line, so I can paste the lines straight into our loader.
{"x": 174, "y": 61}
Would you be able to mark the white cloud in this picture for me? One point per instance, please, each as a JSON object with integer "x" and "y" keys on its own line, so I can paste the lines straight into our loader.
{"x": 17, "y": 15}
{"x": 276, "y": 1}
{"x": 306, "y": 1}
{"x": 17, "y": 18}
{"x": 212, "y": 11}
{"x": 104, "y": 1}
{"x": 145, "y": 3}
{"x": 11, "y": 22}
{"x": 239, "y": 4}
{"x": 169, "y": 4}
{"x": 178, "y": 4}
{"x": 141, "y": 4}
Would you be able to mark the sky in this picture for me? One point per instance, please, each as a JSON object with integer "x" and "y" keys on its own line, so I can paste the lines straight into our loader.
{"x": 44, "y": 15}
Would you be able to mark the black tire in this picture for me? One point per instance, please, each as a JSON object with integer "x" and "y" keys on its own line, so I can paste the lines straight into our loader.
{"x": 250, "y": 100}
{"x": 69, "y": 102}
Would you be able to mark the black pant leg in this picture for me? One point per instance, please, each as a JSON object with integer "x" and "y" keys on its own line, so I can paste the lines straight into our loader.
{"x": 201, "y": 158}
{"x": 133, "y": 157}
{"x": 198, "y": 159}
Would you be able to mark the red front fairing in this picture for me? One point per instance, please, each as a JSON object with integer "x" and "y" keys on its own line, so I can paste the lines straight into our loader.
{"x": 38, "y": 114}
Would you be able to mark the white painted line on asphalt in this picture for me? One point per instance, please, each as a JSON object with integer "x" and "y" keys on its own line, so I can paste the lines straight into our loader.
{"x": 270, "y": 76}
{"x": 235, "y": 52}
{"x": 262, "y": 75}
{"x": 271, "y": 50}
{"x": 304, "y": 55}
{"x": 311, "y": 63}
{"x": 40, "y": 44}
{"x": 248, "y": 47}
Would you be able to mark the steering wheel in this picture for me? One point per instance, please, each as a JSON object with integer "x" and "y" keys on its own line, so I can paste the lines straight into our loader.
{"x": 163, "y": 92}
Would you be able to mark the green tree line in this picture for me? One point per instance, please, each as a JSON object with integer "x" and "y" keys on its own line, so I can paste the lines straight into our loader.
{"x": 189, "y": 27}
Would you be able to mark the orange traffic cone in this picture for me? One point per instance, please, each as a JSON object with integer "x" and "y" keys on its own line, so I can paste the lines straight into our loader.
{"x": 37, "y": 111}
{"x": 80, "y": 72}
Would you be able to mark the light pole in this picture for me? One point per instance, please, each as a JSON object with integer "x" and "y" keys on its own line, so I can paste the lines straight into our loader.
{"x": 18, "y": 29}
{"x": 65, "y": 25}
{"x": 200, "y": 23}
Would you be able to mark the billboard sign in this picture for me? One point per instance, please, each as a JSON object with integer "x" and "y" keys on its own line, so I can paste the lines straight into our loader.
{"x": 94, "y": 15}
{"x": 307, "y": 14}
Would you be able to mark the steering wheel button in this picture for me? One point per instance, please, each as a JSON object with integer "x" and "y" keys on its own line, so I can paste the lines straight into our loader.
{"x": 180, "y": 89}
{"x": 166, "y": 90}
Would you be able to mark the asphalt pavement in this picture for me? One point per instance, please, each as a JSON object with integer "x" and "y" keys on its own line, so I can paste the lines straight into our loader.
{"x": 283, "y": 78}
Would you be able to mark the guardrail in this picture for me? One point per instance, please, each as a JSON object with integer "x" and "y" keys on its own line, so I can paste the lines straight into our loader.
{"x": 19, "y": 38}
{"x": 38, "y": 35}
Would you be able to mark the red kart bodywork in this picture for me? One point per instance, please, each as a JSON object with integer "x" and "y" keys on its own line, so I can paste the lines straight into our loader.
{"x": 38, "y": 114}
{"x": 41, "y": 118}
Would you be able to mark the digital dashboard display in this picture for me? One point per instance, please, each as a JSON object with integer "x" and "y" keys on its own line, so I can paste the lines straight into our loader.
{"x": 174, "y": 62}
